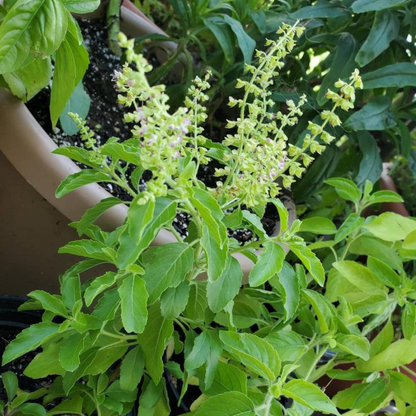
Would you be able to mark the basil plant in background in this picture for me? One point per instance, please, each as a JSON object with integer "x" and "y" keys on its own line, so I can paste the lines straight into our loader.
{"x": 233, "y": 344}
{"x": 36, "y": 36}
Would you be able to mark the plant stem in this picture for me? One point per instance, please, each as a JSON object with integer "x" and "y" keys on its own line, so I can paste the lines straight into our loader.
{"x": 113, "y": 24}
{"x": 318, "y": 357}
{"x": 411, "y": 372}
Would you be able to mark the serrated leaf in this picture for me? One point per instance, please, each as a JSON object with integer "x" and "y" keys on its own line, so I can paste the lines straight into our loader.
{"x": 79, "y": 179}
{"x": 45, "y": 363}
{"x": 227, "y": 404}
{"x": 89, "y": 248}
{"x": 289, "y": 345}
{"x": 70, "y": 352}
{"x": 268, "y": 264}
{"x": 10, "y": 383}
{"x": 354, "y": 344}
{"x": 227, "y": 378}
{"x": 49, "y": 302}
{"x": 133, "y": 296}
{"x": 253, "y": 352}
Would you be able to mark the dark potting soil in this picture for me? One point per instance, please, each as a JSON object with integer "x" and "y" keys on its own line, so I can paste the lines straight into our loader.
{"x": 106, "y": 119}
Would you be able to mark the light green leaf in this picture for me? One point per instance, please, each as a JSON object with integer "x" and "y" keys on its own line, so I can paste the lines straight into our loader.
{"x": 283, "y": 214}
{"x": 153, "y": 341}
{"x": 166, "y": 266}
{"x": 128, "y": 151}
{"x": 139, "y": 217}
{"x": 403, "y": 387}
{"x": 131, "y": 370}
{"x": 289, "y": 345}
{"x": 79, "y": 103}
{"x": 10, "y": 383}
{"x": 98, "y": 285}
{"x": 255, "y": 224}
{"x": 384, "y": 30}
{"x": 253, "y": 352}
{"x": 79, "y": 179}
{"x": 31, "y": 28}
{"x": 197, "y": 302}
{"x": 89, "y": 248}
{"x": 107, "y": 306}
{"x": 376, "y": 115}
{"x": 318, "y": 225}
{"x": 174, "y": 300}
{"x": 351, "y": 224}
{"x": 390, "y": 226}
{"x": 45, "y": 363}
{"x": 268, "y": 264}
{"x": 49, "y": 302}
{"x": 409, "y": 320}
{"x": 385, "y": 274}
{"x": 81, "y": 6}
{"x": 70, "y": 352}
{"x": 309, "y": 395}
{"x": 129, "y": 249}
{"x": 409, "y": 242}
{"x": 29, "y": 339}
{"x": 345, "y": 188}
{"x": 363, "y": 6}
{"x": 226, "y": 287}
{"x": 322, "y": 308}
{"x": 354, "y": 344}
{"x": 310, "y": 261}
{"x": 133, "y": 296}
{"x": 83, "y": 322}
{"x": 76, "y": 153}
{"x": 227, "y": 404}
{"x": 227, "y": 378}
{"x": 401, "y": 352}
{"x": 286, "y": 281}
{"x": 383, "y": 339}
{"x": 28, "y": 81}
{"x": 71, "y": 290}
{"x": 396, "y": 75}
{"x": 384, "y": 196}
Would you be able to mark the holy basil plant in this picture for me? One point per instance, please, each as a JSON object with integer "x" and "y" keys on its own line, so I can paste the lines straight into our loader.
{"x": 181, "y": 314}
{"x": 33, "y": 35}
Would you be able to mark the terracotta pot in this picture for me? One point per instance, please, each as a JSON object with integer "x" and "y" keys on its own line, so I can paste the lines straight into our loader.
{"x": 28, "y": 148}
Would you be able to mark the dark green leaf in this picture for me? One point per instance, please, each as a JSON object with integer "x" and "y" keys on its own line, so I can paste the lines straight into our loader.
{"x": 363, "y": 6}
{"x": 396, "y": 75}
{"x": 70, "y": 352}
{"x": 131, "y": 370}
{"x": 245, "y": 42}
{"x": 174, "y": 300}
{"x": 223, "y": 34}
{"x": 321, "y": 9}
{"x": 10, "y": 383}
{"x": 371, "y": 164}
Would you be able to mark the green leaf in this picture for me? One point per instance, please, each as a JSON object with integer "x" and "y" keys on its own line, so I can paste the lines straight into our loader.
{"x": 226, "y": 287}
{"x": 45, "y": 363}
{"x": 223, "y": 34}
{"x": 129, "y": 249}
{"x": 396, "y": 75}
{"x": 351, "y": 224}
{"x": 322, "y": 308}
{"x": 318, "y": 225}
{"x": 133, "y": 297}
{"x": 31, "y": 28}
{"x": 33, "y": 409}
{"x": 29, "y": 339}
{"x": 289, "y": 345}
{"x": 371, "y": 164}
{"x": 131, "y": 370}
{"x": 390, "y": 226}
{"x": 409, "y": 242}
{"x": 70, "y": 290}
{"x": 345, "y": 188}
{"x": 255, "y": 224}
{"x": 363, "y": 6}
{"x": 10, "y": 383}
{"x": 127, "y": 151}
{"x": 197, "y": 303}
{"x": 398, "y": 353}
{"x": 310, "y": 261}
{"x": 286, "y": 281}
{"x": 79, "y": 179}
{"x": 227, "y": 378}
{"x": 342, "y": 65}
{"x": 360, "y": 276}
{"x": 49, "y": 302}
{"x": 70, "y": 352}
{"x": 359, "y": 395}
{"x": 354, "y": 344}
{"x": 385, "y": 273}
{"x": 153, "y": 341}
{"x": 253, "y": 352}
{"x": 227, "y": 404}
{"x": 403, "y": 387}
{"x": 245, "y": 42}
{"x": 98, "y": 285}
{"x": 79, "y": 103}
{"x": 166, "y": 266}
{"x": 376, "y": 115}
{"x": 174, "y": 300}
{"x": 83, "y": 322}
{"x": 81, "y": 6}
{"x": 71, "y": 63}
{"x": 89, "y": 248}
{"x": 139, "y": 217}
{"x": 409, "y": 320}
{"x": 321, "y": 9}
{"x": 384, "y": 196}
{"x": 28, "y": 81}
{"x": 309, "y": 395}
{"x": 107, "y": 306}
{"x": 268, "y": 264}
{"x": 234, "y": 219}
{"x": 350, "y": 374}
{"x": 383, "y": 339}
{"x": 78, "y": 154}
{"x": 384, "y": 30}
{"x": 117, "y": 393}
{"x": 283, "y": 214}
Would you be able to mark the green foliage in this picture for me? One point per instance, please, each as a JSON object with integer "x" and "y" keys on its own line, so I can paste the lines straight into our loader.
{"x": 315, "y": 286}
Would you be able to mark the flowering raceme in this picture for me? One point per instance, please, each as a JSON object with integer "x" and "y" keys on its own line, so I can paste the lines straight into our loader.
{"x": 257, "y": 158}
